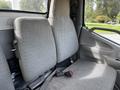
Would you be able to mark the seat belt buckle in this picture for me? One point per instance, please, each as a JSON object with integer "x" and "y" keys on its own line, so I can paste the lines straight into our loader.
{"x": 67, "y": 74}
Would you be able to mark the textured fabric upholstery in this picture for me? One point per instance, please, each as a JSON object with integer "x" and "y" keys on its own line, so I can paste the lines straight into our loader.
{"x": 5, "y": 77}
{"x": 59, "y": 8}
{"x": 36, "y": 46}
{"x": 87, "y": 75}
{"x": 63, "y": 29}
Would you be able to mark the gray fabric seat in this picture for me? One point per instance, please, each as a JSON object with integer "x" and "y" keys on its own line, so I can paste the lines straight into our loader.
{"x": 87, "y": 75}
{"x": 63, "y": 29}
{"x": 5, "y": 77}
{"x": 36, "y": 46}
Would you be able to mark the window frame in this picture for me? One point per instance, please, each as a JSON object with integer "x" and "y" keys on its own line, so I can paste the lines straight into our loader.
{"x": 84, "y": 25}
{"x": 22, "y": 11}
{"x": 30, "y": 12}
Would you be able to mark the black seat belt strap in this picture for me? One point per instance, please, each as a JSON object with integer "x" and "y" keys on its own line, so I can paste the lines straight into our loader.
{"x": 46, "y": 82}
{"x": 37, "y": 82}
{"x": 55, "y": 72}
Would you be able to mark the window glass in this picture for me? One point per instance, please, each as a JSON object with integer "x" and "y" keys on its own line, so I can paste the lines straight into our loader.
{"x": 24, "y": 5}
{"x": 104, "y": 14}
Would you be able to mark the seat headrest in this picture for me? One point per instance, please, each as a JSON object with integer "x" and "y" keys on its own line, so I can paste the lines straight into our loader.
{"x": 59, "y": 8}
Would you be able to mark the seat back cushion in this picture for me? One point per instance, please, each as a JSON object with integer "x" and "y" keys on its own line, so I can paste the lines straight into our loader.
{"x": 5, "y": 77}
{"x": 63, "y": 29}
{"x": 37, "y": 51}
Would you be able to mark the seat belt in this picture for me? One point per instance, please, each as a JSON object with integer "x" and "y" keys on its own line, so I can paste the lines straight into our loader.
{"x": 46, "y": 82}
{"x": 38, "y": 81}
{"x": 42, "y": 82}
{"x": 57, "y": 73}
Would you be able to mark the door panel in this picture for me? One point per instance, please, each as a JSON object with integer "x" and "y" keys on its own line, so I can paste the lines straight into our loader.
{"x": 96, "y": 48}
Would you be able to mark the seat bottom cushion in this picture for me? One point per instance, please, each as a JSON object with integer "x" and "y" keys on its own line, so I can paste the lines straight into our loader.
{"x": 87, "y": 75}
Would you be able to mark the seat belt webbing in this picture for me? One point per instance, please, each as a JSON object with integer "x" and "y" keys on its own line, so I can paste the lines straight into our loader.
{"x": 46, "y": 82}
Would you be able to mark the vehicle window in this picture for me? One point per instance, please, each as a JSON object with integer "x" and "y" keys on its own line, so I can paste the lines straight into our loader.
{"x": 103, "y": 14}
{"x": 24, "y": 5}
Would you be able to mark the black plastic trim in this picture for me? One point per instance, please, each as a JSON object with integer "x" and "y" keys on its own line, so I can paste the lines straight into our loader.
{"x": 83, "y": 24}
{"x": 19, "y": 11}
